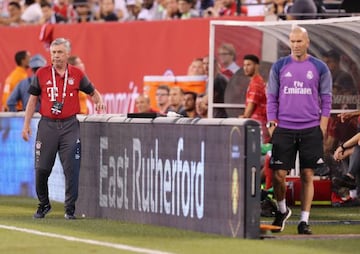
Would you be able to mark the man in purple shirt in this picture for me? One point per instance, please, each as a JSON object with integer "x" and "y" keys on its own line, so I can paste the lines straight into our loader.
{"x": 298, "y": 109}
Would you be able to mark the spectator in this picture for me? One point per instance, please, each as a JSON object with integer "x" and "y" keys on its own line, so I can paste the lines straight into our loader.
{"x": 107, "y": 11}
{"x": 215, "y": 10}
{"x": 186, "y": 9}
{"x": 142, "y": 104}
{"x": 22, "y": 59}
{"x": 227, "y": 59}
{"x": 20, "y": 93}
{"x": 280, "y": 8}
{"x": 32, "y": 13}
{"x": 49, "y": 16}
{"x": 343, "y": 83}
{"x": 121, "y": 10}
{"x": 14, "y": 18}
{"x": 196, "y": 67}
{"x": 339, "y": 131}
{"x": 76, "y": 61}
{"x": 189, "y": 105}
{"x": 220, "y": 84}
{"x": 83, "y": 11}
{"x": 255, "y": 105}
{"x": 162, "y": 99}
{"x": 171, "y": 10}
{"x": 302, "y": 9}
{"x": 65, "y": 9}
{"x": 149, "y": 10}
{"x": 204, "y": 5}
{"x": 176, "y": 99}
{"x": 201, "y": 105}
{"x": 134, "y": 8}
{"x": 351, "y": 179}
{"x": 230, "y": 9}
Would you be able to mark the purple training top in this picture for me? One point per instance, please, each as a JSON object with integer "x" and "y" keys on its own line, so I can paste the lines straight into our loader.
{"x": 298, "y": 92}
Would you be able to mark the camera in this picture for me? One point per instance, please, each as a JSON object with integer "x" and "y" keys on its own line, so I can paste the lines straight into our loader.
{"x": 56, "y": 108}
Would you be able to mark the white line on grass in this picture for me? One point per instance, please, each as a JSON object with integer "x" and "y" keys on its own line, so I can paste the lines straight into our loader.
{"x": 88, "y": 241}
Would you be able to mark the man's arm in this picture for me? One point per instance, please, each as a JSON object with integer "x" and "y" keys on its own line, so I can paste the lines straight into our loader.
{"x": 29, "y": 112}
{"x": 14, "y": 97}
{"x": 248, "y": 110}
{"x": 97, "y": 100}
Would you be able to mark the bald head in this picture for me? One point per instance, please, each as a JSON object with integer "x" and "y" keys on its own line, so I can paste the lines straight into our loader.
{"x": 299, "y": 30}
{"x": 299, "y": 43}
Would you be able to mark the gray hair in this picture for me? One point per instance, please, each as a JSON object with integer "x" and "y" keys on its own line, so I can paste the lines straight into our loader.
{"x": 60, "y": 41}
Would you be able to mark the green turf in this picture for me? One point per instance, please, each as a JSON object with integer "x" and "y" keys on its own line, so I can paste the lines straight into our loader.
{"x": 15, "y": 211}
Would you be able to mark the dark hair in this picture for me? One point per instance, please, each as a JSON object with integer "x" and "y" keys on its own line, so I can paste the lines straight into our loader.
{"x": 15, "y": 4}
{"x": 253, "y": 58}
{"x": 19, "y": 56}
{"x": 29, "y": 2}
{"x": 333, "y": 54}
{"x": 45, "y": 4}
{"x": 164, "y": 87}
{"x": 72, "y": 59}
{"x": 193, "y": 94}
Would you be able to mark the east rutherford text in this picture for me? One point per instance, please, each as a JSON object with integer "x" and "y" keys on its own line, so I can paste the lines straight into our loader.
{"x": 156, "y": 185}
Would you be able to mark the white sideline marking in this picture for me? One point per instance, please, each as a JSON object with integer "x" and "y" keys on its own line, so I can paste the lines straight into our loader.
{"x": 88, "y": 241}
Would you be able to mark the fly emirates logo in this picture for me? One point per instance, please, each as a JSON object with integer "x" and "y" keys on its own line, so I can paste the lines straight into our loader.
{"x": 298, "y": 88}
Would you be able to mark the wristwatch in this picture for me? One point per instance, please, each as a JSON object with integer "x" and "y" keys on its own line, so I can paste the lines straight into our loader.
{"x": 271, "y": 124}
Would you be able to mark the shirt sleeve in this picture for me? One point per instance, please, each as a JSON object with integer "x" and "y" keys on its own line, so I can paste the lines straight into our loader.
{"x": 272, "y": 94}
{"x": 14, "y": 97}
{"x": 34, "y": 87}
{"x": 326, "y": 92}
{"x": 86, "y": 86}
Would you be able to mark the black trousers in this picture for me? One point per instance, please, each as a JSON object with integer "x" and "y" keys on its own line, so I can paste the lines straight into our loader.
{"x": 63, "y": 137}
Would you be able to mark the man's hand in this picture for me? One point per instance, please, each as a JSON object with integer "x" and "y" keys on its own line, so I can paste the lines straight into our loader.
{"x": 26, "y": 133}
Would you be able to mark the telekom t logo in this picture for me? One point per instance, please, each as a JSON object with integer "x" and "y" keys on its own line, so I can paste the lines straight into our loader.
{"x": 52, "y": 93}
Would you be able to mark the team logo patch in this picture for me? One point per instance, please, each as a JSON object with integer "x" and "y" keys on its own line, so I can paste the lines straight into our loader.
{"x": 71, "y": 81}
{"x": 38, "y": 145}
{"x": 309, "y": 75}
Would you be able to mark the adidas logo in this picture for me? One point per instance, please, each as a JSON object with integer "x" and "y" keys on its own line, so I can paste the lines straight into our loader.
{"x": 49, "y": 82}
{"x": 320, "y": 161}
{"x": 288, "y": 74}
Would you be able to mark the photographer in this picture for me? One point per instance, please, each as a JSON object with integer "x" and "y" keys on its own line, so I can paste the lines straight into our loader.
{"x": 57, "y": 86}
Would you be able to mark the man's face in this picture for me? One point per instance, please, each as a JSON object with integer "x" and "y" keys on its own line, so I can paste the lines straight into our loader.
{"x": 162, "y": 97}
{"x": 330, "y": 63}
{"x": 13, "y": 11}
{"x": 299, "y": 43}
{"x": 26, "y": 61}
{"x": 249, "y": 68}
{"x": 175, "y": 97}
{"x": 142, "y": 104}
{"x": 189, "y": 102}
{"x": 79, "y": 63}
{"x": 225, "y": 57}
{"x": 46, "y": 12}
{"x": 59, "y": 55}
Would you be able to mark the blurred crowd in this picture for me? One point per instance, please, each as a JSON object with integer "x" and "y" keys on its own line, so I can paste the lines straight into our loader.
{"x": 35, "y": 12}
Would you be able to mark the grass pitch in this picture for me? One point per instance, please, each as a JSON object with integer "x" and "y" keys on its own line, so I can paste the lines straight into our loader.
{"x": 17, "y": 212}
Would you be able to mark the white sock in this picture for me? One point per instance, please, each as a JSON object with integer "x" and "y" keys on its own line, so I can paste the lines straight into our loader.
{"x": 353, "y": 193}
{"x": 282, "y": 206}
{"x": 304, "y": 216}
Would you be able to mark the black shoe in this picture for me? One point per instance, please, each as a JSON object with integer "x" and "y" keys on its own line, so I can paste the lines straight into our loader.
{"x": 304, "y": 229}
{"x": 280, "y": 219}
{"x": 42, "y": 211}
{"x": 345, "y": 181}
{"x": 70, "y": 216}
